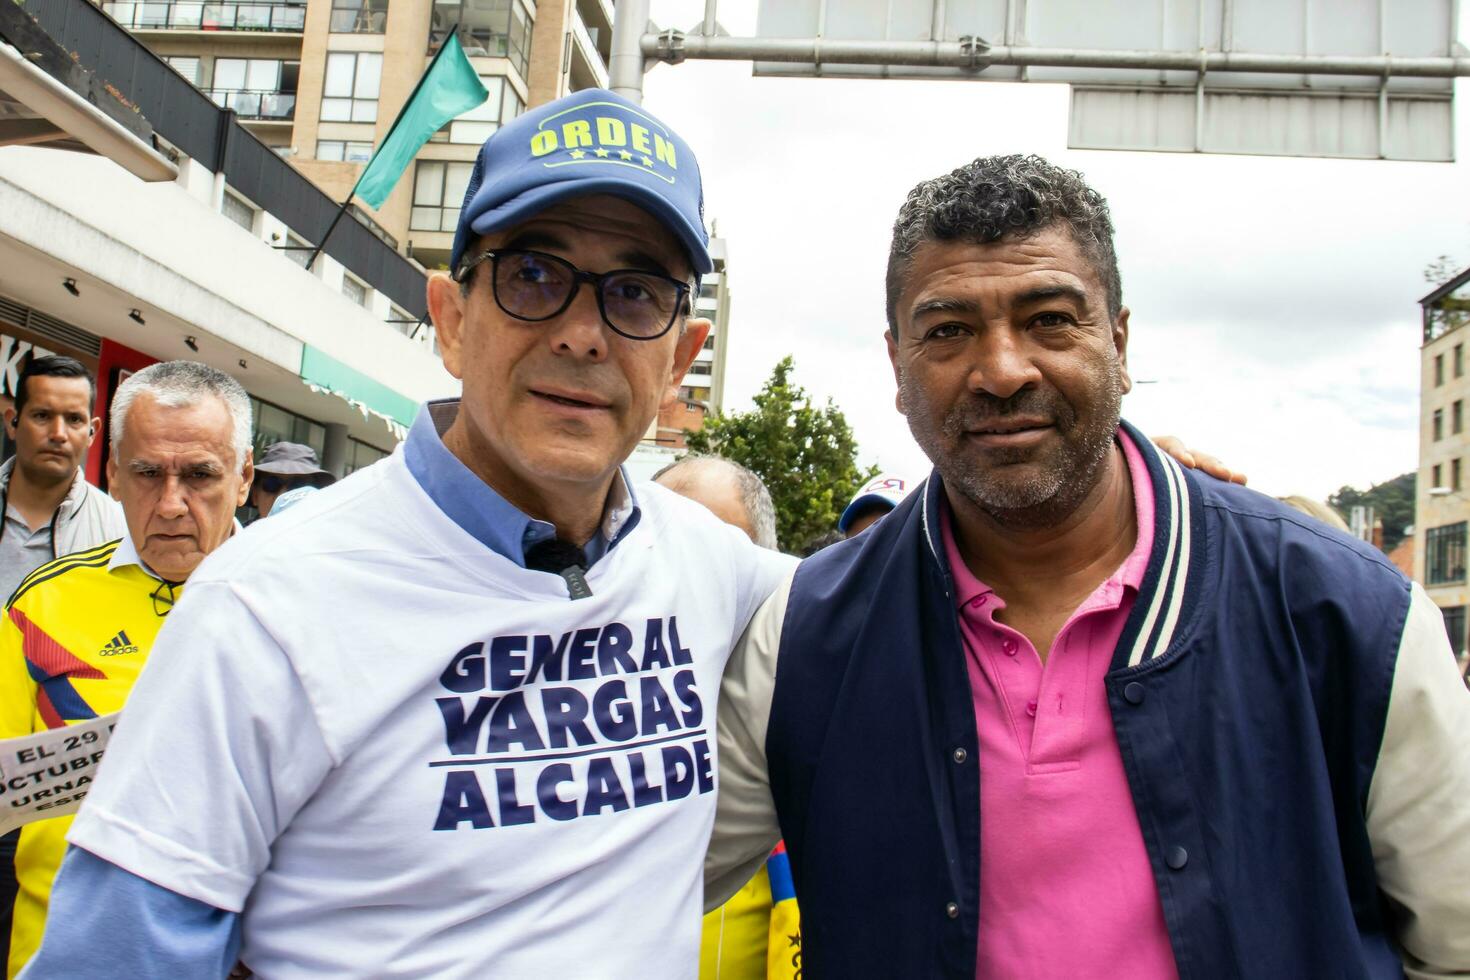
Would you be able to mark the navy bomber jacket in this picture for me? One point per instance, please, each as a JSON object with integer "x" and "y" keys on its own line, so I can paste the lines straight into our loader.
{"x": 1293, "y": 727}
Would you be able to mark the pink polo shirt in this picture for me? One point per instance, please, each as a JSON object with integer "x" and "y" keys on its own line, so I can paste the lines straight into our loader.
{"x": 1065, "y": 884}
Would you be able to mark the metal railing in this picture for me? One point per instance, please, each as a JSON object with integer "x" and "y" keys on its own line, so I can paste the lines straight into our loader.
{"x": 261, "y": 15}
{"x": 254, "y": 103}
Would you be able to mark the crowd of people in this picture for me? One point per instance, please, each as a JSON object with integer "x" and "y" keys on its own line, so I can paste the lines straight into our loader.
{"x": 1068, "y": 707}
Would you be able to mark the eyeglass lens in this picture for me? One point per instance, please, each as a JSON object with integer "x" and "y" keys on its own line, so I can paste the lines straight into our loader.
{"x": 538, "y": 286}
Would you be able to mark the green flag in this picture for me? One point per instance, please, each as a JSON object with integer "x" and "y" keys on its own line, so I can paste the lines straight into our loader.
{"x": 450, "y": 87}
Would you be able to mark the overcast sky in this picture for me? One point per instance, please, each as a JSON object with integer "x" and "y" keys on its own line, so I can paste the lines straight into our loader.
{"x": 1274, "y": 300}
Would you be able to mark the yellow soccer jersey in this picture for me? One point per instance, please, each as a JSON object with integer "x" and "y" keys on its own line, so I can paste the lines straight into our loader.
{"x": 73, "y": 640}
{"x": 733, "y": 943}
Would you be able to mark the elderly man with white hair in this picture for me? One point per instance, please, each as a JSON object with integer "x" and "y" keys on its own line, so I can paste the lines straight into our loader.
{"x": 78, "y": 630}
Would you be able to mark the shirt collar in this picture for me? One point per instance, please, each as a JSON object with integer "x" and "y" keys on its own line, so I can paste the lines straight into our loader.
{"x": 484, "y": 514}
{"x": 126, "y": 554}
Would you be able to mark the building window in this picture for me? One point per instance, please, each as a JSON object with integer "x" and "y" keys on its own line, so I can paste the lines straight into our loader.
{"x": 354, "y": 290}
{"x": 1459, "y": 360}
{"x": 1454, "y": 474}
{"x": 183, "y": 15}
{"x": 298, "y": 250}
{"x": 487, "y": 29}
{"x": 480, "y": 123}
{"x": 188, "y": 66}
{"x": 1454, "y": 626}
{"x": 360, "y": 454}
{"x": 1438, "y": 424}
{"x": 1438, "y": 472}
{"x": 400, "y": 320}
{"x": 350, "y": 93}
{"x": 1444, "y": 559}
{"x": 274, "y": 424}
{"x": 1438, "y": 370}
{"x": 349, "y": 151}
{"x": 256, "y": 88}
{"x": 359, "y": 16}
{"x": 438, "y": 192}
{"x": 1457, "y": 417}
{"x": 238, "y": 211}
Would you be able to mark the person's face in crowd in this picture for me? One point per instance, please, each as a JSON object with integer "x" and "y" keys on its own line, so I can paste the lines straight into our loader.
{"x": 562, "y": 402}
{"x": 720, "y": 496}
{"x": 54, "y": 430}
{"x": 865, "y": 520}
{"x": 179, "y": 482}
{"x": 269, "y": 486}
{"x": 1010, "y": 371}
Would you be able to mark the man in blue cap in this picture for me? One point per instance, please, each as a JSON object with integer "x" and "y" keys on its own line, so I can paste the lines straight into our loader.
{"x": 454, "y": 716}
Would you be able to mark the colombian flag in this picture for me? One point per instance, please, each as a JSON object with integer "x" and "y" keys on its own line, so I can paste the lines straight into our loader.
{"x": 783, "y": 950}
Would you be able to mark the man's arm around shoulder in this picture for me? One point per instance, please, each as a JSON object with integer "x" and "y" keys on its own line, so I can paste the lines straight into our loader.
{"x": 745, "y": 816}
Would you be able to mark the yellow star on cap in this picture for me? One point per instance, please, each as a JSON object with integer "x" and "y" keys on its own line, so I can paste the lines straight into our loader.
{"x": 647, "y": 162}
{"x": 625, "y": 154}
{"x": 600, "y": 152}
{"x": 578, "y": 154}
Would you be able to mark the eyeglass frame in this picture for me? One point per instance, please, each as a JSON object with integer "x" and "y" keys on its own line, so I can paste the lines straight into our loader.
{"x": 167, "y": 601}
{"x": 595, "y": 279}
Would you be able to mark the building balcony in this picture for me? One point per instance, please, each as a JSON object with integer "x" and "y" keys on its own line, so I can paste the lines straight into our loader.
{"x": 268, "y": 16}
{"x": 255, "y": 105}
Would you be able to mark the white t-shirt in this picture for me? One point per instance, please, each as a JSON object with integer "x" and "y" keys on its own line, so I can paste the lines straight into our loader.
{"x": 402, "y": 755}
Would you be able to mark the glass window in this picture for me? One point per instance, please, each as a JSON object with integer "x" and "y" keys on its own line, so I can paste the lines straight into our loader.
{"x": 1438, "y": 472}
{"x": 1459, "y": 360}
{"x": 188, "y": 66}
{"x": 1438, "y": 370}
{"x": 298, "y": 250}
{"x": 487, "y": 28}
{"x": 354, "y": 290}
{"x": 1445, "y": 554}
{"x": 351, "y": 151}
{"x": 400, "y": 320}
{"x": 1457, "y": 417}
{"x": 1454, "y": 626}
{"x": 1438, "y": 424}
{"x": 350, "y": 92}
{"x": 1454, "y": 474}
{"x": 438, "y": 192}
{"x": 256, "y": 88}
{"x": 360, "y": 454}
{"x": 238, "y": 211}
{"x": 359, "y": 16}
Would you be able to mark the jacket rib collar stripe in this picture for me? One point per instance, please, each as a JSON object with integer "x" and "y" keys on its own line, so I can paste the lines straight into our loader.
{"x": 1156, "y": 615}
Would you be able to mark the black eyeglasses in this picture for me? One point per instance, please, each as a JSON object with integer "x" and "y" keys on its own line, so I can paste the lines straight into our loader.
{"x": 164, "y": 604}
{"x": 534, "y": 286}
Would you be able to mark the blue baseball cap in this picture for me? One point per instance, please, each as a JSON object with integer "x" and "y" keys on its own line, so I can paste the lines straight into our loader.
{"x": 591, "y": 142}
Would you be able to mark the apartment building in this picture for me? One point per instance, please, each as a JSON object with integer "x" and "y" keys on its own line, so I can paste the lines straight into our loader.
{"x": 321, "y": 81}
{"x": 1442, "y": 495}
{"x": 164, "y": 231}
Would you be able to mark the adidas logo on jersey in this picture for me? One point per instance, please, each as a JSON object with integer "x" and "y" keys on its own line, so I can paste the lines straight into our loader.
{"x": 118, "y": 645}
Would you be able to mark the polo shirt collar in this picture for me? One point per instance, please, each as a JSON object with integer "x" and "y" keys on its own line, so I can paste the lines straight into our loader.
{"x": 482, "y": 512}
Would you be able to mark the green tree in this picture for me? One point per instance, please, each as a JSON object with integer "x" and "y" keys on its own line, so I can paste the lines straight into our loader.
{"x": 805, "y": 453}
{"x": 1391, "y": 500}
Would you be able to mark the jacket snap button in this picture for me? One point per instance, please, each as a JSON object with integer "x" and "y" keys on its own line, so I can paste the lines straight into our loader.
{"x": 1133, "y": 693}
{"x": 952, "y": 910}
{"x": 960, "y": 755}
{"x": 1177, "y": 858}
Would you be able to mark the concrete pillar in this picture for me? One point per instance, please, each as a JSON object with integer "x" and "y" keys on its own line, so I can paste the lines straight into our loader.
{"x": 334, "y": 452}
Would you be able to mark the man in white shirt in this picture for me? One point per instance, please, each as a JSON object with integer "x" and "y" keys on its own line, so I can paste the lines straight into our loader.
{"x": 454, "y": 716}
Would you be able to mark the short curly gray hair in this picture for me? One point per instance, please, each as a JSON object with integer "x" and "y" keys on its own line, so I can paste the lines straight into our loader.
{"x": 1000, "y": 197}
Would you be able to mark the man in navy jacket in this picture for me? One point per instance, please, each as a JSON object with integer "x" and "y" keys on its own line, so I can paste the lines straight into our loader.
{"x": 1072, "y": 710}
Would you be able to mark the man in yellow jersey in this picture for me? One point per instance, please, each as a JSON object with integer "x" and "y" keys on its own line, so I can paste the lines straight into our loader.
{"x": 78, "y": 630}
